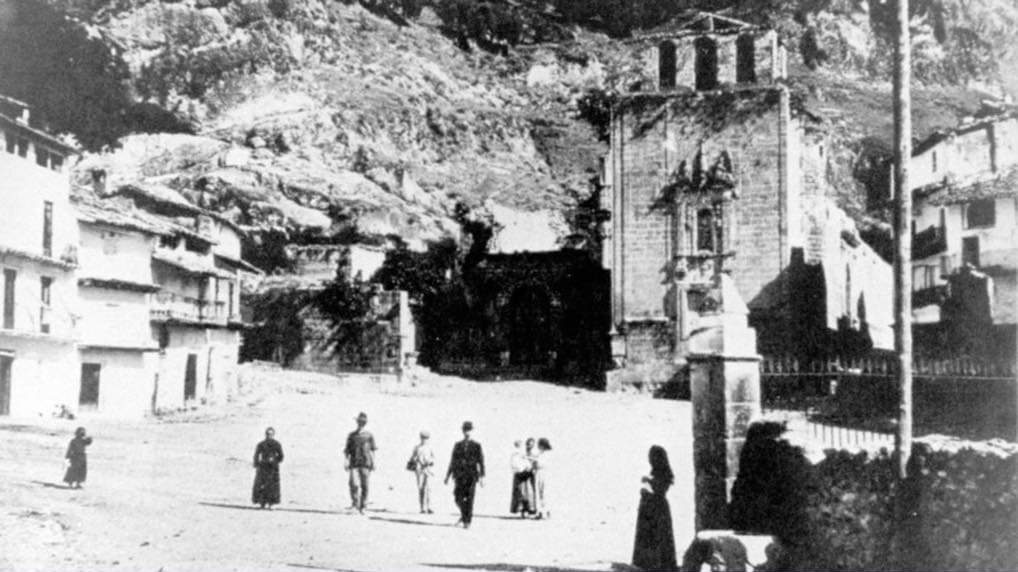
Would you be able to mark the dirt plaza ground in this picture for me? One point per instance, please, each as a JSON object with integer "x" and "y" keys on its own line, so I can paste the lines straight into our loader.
{"x": 174, "y": 493}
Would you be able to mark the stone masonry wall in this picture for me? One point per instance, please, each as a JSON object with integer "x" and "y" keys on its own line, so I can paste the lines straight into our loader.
{"x": 834, "y": 511}
{"x": 658, "y": 134}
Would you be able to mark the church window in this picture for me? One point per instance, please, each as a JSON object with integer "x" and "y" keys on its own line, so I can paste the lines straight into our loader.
{"x": 708, "y": 231}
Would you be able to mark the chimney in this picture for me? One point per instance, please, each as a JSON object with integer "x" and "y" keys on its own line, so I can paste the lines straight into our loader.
{"x": 99, "y": 182}
{"x": 23, "y": 118}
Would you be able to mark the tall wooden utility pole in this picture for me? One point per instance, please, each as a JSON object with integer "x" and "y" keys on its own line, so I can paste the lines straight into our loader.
{"x": 903, "y": 234}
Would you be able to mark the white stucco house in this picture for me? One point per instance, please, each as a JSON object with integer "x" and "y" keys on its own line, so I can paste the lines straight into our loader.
{"x": 38, "y": 256}
{"x": 195, "y": 317}
{"x": 966, "y": 211}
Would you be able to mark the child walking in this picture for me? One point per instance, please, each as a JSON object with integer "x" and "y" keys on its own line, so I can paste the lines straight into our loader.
{"x": 77, "y": 461}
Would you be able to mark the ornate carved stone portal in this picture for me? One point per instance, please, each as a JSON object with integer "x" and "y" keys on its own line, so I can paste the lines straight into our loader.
{"x": 701, "y": 196}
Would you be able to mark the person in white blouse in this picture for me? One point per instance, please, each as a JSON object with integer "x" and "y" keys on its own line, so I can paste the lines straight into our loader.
{"x": 541, "y": 463}
{"x": 421, "y": 462}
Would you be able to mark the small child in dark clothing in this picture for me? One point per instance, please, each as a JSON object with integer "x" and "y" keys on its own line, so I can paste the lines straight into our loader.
{"x": 77, "y": 467}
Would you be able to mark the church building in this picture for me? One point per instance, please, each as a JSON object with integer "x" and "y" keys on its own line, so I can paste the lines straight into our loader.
{"x": 719, "y": 169}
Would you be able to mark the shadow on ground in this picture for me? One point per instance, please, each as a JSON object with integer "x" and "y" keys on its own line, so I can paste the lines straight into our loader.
{"x": 52, "y": 485}
{"x": 411, "y": 521}
{"x": 501, "y": 567}
{"x": 274, "y": 509}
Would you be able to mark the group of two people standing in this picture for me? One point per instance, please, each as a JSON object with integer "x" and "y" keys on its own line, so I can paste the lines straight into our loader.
{"x": 529, "y": 478}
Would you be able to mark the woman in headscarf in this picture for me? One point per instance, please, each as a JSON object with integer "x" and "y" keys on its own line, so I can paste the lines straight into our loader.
{"x": 77, "y": 460}
{"x": 540, "y": 477}
{"x": 268, "y": 455}
{"x": 522, "y": 501}
{"x": 654, "y": 548}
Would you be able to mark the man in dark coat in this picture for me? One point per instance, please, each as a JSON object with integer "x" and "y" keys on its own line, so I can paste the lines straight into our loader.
{"x": 360, "y": 461}
{"x": 467, "y": 468}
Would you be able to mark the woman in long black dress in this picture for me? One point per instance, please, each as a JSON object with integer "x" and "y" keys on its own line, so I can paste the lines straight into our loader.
{"x": 77, "y": 468}
{"x": 268, "y": 455}
{"x": 655, "y": 543}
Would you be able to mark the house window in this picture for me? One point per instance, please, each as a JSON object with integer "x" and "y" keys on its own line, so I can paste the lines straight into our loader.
{"x": 47, "y": 229}
{"x": 45, "y": 296}
{"x": 945, "y": 265}
{"x": 666, "y": 65}
{"x": 111, "y": 242}
{"x": 17, "y": 145}
{"x": 168, "y": 241}
{"x": 848, "y": 291}
{"x": 229, "y": 313}
{"x": 933, "y": 161}
{"x": 706, "y": 63}
{"x": 10, "y": 277}
{"x": 980, "y": 214}
{"x": 923, "y": 277}
{"x": 41, "y": 157}
{"x": 56, "y": 162}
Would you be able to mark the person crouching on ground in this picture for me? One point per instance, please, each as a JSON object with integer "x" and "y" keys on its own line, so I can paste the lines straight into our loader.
{"x": 467, "y": 468}
{"x": 76, "y": 459}
{"x": 421, "y": 462}
{"x": 268, "y": 455}
{"x": 360, "y": 461}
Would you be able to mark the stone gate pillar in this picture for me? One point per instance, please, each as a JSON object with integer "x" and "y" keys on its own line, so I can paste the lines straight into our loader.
{"x": 725, "y": 383}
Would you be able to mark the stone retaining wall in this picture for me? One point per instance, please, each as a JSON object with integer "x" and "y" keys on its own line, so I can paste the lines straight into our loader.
{"x": 834, "y": 510}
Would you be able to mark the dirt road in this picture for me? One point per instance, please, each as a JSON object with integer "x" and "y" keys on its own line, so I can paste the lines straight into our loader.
{"x": 174, "y": 493}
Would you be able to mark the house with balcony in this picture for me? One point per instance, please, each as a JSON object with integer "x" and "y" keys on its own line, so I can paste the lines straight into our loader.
{"x": 194, "y": 315}
{"x": 965, "y": 235}
{"x": 38, "y": 257}
{"x": 118, "y": 355}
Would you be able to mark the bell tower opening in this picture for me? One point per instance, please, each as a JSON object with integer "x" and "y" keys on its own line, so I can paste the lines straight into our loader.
{"x": 706, "y": 63}
{"x": 745, "y": 65}
{"x": 666, "y": 65}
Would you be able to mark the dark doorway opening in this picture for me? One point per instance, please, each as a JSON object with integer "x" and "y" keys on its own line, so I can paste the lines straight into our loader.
{"x": 191, "y": 376}
{"x": 529, "y": 321}
{"x": 970, "y": 251}
{"x": 6, "y": 363}
{"x": 88, "y": 396}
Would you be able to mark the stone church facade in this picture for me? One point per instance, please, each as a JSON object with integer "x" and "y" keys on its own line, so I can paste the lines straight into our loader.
{"x": 719, "y": 170}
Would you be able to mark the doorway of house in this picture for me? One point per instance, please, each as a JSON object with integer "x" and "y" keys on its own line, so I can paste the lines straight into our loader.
{"x": 6, "y": 363}
{"x": 88, "y": 396}
{"x": 191, "y": 376}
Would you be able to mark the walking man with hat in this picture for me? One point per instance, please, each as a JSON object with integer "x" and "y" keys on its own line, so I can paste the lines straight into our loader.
{"x": 467, "y": 468}
{"x": 360, "y": 461}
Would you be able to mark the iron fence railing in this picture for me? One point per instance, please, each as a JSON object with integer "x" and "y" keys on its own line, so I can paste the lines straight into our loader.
{"x": 854, "y": 401}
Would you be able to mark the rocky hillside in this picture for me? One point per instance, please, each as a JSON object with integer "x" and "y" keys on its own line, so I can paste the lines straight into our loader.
{"x": 326, "y": 120}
